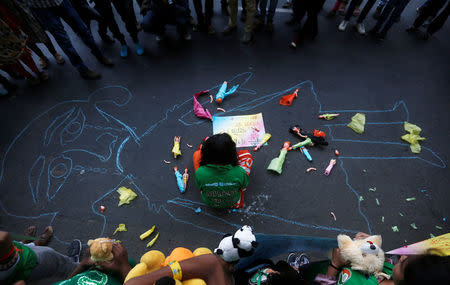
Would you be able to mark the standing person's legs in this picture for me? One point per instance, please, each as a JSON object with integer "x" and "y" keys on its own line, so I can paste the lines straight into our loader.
{"x": 365, "y": 10}
{"x": 401, "y": 5}
{"x": 388, "y": 8}
{"x": 155, "y": 21}
{"x": 105, "y": 9}
{"x": 272, "y": 8}
{"x": 351, "y": 8}
{"x": 439, "y": 21}
{"x": 50, "y": 263}
{"x": 126, "y": 12}
{"x": 428, "y": 9}
{"x": 209, "y": 11}
{"x": 232, "y": 12}
{"x": 251, "y": 12}
{"x": 262, "y": 10}
{"x": 70, "y": 16}
{"x": 310, "y": 28}
{"x": 181, "y": 15}
{"x": 199, "y": 11}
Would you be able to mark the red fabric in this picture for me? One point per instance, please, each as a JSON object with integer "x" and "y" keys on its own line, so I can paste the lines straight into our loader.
{"x": 336, "y": 5}
{"x": 245, "y": 160}
{"x": 318, "y": 134}
{"x": 9, "y": 18}
{"x": 196, "y": 158}
{"x": 28, "y": 61}
{"x": 288, "y": 99}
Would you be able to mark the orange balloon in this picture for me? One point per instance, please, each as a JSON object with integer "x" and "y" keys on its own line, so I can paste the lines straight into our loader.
{"x": 179, "y": 254}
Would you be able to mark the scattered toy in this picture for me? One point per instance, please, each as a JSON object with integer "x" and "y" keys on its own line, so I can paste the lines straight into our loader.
{"x": 224, "y": 93}
{"x": 189, "y": 145}
{"x": 306, "y": 153}
{"x": 382, "y": 219}
{"x": 330, "y": 167}
{"x": 317, "y": 137}
{"x": 266, "y": 137}
{"x": 198, "y": 210}
{"x": 438, "y": 227}
{"x": 221, "y": 109}
{"x": 413, "y": 225}
{"x": 199, "y": 111}
{"x": 147, "y": 233}
{"x": 336, "y": 152}
{"x": 179, "y": 178}
{"x": 328, "y": 116}
{"x": 401, "y": 215}
{"x": 120, "y": 228}
{"x": 334, "y": 216}
{"x": 152, "y": 242}
{"x": 432, "y": 236}
{"x": 288, "y": 99}
{"x": 378, "y": 202}
{"x": 361, "y": 198}
{"x": 126, "y": 195}
{"x": 357, "y": 123}
{"x": 102, "y": 209}
{"x": 167, "y": 162}
{"x": 101, "y": 249}
{"x": 211, "y": 98}
{"x": 176, "y": 146}
{"x": 276, "y": 164}
{"x": 413, "y": 137}
{"x": 185, "y": 177}
{"x": 410, "y": 199}
{"x": 395, "y": 229}
{"x": 311, "y": 169}
{"x": 373, "y": 189}
{"x": 306, "y": 142}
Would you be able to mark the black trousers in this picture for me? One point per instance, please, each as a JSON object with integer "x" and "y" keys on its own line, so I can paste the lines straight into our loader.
{"x": 207, "y": 16}
{"x": 439, "y": 21}
{"x": 310, "y": 8}
{"x": 87, "y": 14}
{"x": 429, "y": 10}
{"x": 126, "y": 12}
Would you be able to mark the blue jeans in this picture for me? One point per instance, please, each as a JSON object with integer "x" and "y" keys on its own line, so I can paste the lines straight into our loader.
{"x": 263, "y": 9}
{"x": 391, "y": 12}
{"x": 51, "y": 17}
{"x": 156, "y": 19}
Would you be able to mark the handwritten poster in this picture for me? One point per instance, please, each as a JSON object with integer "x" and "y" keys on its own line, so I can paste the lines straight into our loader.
{"x": 246, "y": 131}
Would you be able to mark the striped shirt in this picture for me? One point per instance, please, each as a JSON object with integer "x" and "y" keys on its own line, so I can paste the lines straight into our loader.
{"x": 42, "y": 3}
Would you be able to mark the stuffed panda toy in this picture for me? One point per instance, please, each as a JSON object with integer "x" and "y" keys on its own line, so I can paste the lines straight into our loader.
{"x": 241, "y": 244}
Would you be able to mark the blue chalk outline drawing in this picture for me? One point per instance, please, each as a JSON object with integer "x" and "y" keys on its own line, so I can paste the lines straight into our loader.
{"x": 70, "y": 124}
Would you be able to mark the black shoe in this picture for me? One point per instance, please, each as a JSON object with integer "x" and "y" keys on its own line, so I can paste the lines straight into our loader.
{"x": 74, "y": 250}
{"x": 89, "y": 74}
{"x": 107, "y": 39}
{"x": 105, "y": 61}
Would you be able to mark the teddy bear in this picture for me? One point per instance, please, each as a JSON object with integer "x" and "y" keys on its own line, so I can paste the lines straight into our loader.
{"x": 101, "y": 249}
{"x": 241, "y": 244}
{"x": 365, "y": 255}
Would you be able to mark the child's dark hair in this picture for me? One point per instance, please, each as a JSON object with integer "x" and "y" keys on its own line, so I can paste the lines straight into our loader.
{"x": 219, "y": 149}
{"x": 427, "y": 269}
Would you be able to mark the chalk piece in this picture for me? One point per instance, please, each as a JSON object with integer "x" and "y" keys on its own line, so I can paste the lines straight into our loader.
{"x": 364, "y": 170}
{"x": 82, "y": 171}
{"x": 410, "y": 199}
{"x": 373, "y": 189}
{"x": 378, "y": 202}
{"x": 444, "y": 219}
{"x": 413, "y": 225}
{"x": 361, "y": 198}
{"x": 401, "y": 215}
{"x": 395, "y": 229}
{"x": 438, "y": 227}
{"x": 382, "y": 219}
{"x": 198, "y": 210}
{"x": 234, "y": 210}
{"x": 432, "y": 236}
{"x": 423, "y": 190}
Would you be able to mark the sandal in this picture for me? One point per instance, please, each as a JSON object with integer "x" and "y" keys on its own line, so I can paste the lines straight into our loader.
{"x": 31, "y": 232}
{"x": 45, "y": 237}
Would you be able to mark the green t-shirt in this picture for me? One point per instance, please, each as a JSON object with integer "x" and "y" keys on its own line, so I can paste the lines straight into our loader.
{"x": 348, "y": 276}
{"x": 27, "y": 262}
{"x": 91, "y": 277}
{"x": 220, "y": 184}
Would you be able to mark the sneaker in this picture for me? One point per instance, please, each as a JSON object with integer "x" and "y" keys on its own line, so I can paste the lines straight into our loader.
{"x": 343, "y": 25}
{"x": 269, "y": 27}
{"x": 89, "y": 74}
{"x": 291, "y": 258}
{"x": 247, "y": 38}
{"x": 105, "y": 61}
{"x": 229, "y": 30}
{"x": 74, "y": 250}
{"x": 43, "y": 62}
{"x": 287, "y": 5}
{"x": 360, "y": 28}
{"x": 211, "y": 30}
{"x": 302, "y": 260}
{"x": 139, "y": 49}
{"x": 293, "y": 45}
{"x": 59, "y": 59}
{"x": 123, "y": 51}
{"x": 187, "y": 37}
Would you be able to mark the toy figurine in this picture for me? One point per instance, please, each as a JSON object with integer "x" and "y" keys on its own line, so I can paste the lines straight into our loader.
{"x": 224, "y": 93}
{"x": 306, "y": 142}
{"x": 328, "y": 116}
{"x": 288, "y": 99}
{"x": 180, "y": 181}
{"x": 330, "y": 167}
{"x": 264, "y": 140}
{"x": 199, "y": 111}
{"x": 176, "y": 146}
{"x": 185, "y": 177}
{"x": 306, "y": 153}
{"x": 317, "y": 137}
{"x": 276, "y": 164}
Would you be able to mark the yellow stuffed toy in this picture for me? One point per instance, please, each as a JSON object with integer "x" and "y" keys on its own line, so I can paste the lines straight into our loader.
{"x": 155, "y": 259}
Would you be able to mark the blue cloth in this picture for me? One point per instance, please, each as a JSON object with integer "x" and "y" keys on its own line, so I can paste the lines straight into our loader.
{"x": 162, "y": 14}
{"x": 391, "y": 12}
{"x": 263, "y": 9}
{"x": 51, "y": 17}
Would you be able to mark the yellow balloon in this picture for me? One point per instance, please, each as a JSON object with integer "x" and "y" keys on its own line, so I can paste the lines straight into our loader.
{"x": 139, "y": 270}
{"x": 201, "y": 251}
{"x": 195, "y": 281}
{"x": 154, "y": 259}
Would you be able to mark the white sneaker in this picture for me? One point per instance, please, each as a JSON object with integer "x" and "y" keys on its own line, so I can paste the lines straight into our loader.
{"x": 361, "y": 29}
{"x": 187, "y": 37}
{"x": 343, "y": 25}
